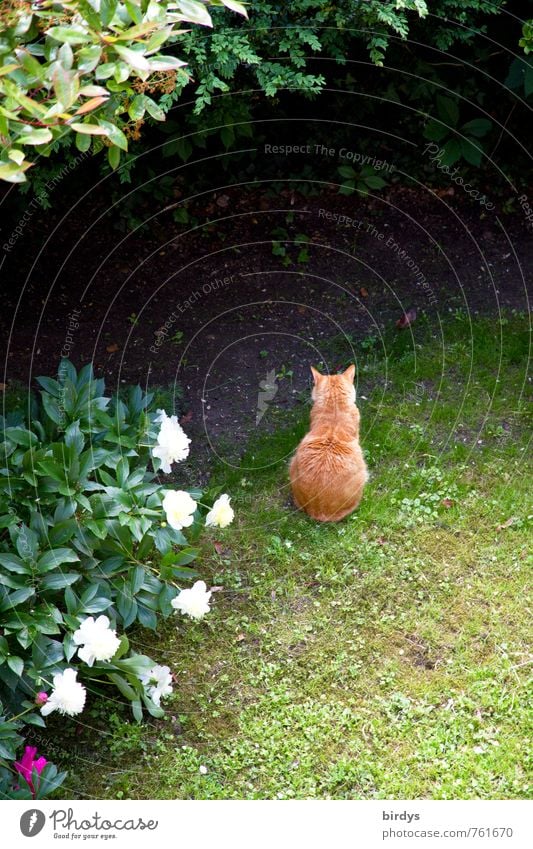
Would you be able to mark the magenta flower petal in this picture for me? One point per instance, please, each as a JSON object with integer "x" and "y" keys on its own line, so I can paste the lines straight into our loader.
{"x": 24, "y": 766}
{"x": 40, "y": 764}
{"x": 28, "y": 763}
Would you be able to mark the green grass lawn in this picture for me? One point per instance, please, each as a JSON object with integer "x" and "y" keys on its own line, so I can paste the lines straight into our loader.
{"x": 381, "y": 657}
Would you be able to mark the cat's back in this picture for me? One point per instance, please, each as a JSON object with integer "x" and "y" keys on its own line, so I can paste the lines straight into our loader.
{"x": 328, "y": 447}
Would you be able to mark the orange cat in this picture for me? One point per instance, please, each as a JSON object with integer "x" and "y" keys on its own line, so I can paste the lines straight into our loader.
{"x": 328, "y": 471}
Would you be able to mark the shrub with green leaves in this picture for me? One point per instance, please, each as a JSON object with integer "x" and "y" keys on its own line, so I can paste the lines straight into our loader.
{"x": 82, "y": 534}
{"x": 306, "y": 47}
{"x": 81, "y": 67}
{"x": 458, "y": 140}
{"x": 95, "y": 71}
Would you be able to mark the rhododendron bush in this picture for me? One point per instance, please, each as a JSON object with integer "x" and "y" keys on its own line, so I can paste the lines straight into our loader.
{"x": 91, "y": 542}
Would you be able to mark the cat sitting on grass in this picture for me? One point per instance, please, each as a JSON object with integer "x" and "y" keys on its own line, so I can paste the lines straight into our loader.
{"x": 328, "y": 472}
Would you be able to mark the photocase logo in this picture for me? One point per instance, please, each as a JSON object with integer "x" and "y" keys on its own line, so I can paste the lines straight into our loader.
{"x": 32, "y": 822}
{"x": 268, "y": 389}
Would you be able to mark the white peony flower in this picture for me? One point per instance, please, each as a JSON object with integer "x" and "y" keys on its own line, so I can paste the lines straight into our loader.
{"x": 179, "y": 507}
{"x": 221, "y": 514}
{"x": 172, "y": 442}
{"x": 164, "y": 456}
{"x": 158, "y": 683}
{"x": 193, "y": 602}
{"x": 99, "y": 641}
{"x": 68, "y": 695}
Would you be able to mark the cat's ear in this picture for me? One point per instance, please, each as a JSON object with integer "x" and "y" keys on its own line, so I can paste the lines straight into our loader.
{"x": 316, "y": 375}
{"x": 349, "y": 374}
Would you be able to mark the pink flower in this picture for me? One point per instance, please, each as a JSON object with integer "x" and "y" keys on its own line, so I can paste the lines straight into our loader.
{"x": 41, "y": 699}
{"x": 28, "y": 763}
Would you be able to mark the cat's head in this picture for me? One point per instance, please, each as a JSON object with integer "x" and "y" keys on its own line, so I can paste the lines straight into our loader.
{"x": 340, "y": 384}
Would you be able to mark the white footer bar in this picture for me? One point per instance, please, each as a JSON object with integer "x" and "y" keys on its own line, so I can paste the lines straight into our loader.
{"x": 268, "y": 824}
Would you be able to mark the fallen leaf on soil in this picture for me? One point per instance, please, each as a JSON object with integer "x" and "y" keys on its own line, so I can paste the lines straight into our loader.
{"x": 219, "y": 548}
{"x": 3, "y": 387}
{"x": 407, "y": 319}
{"x": 447, "y": 502}
{"x": 506, "y": 524}
{"x": 363, "y": 292}
{"x": 302, "y": 310}
{"x": 111, "y": 349}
